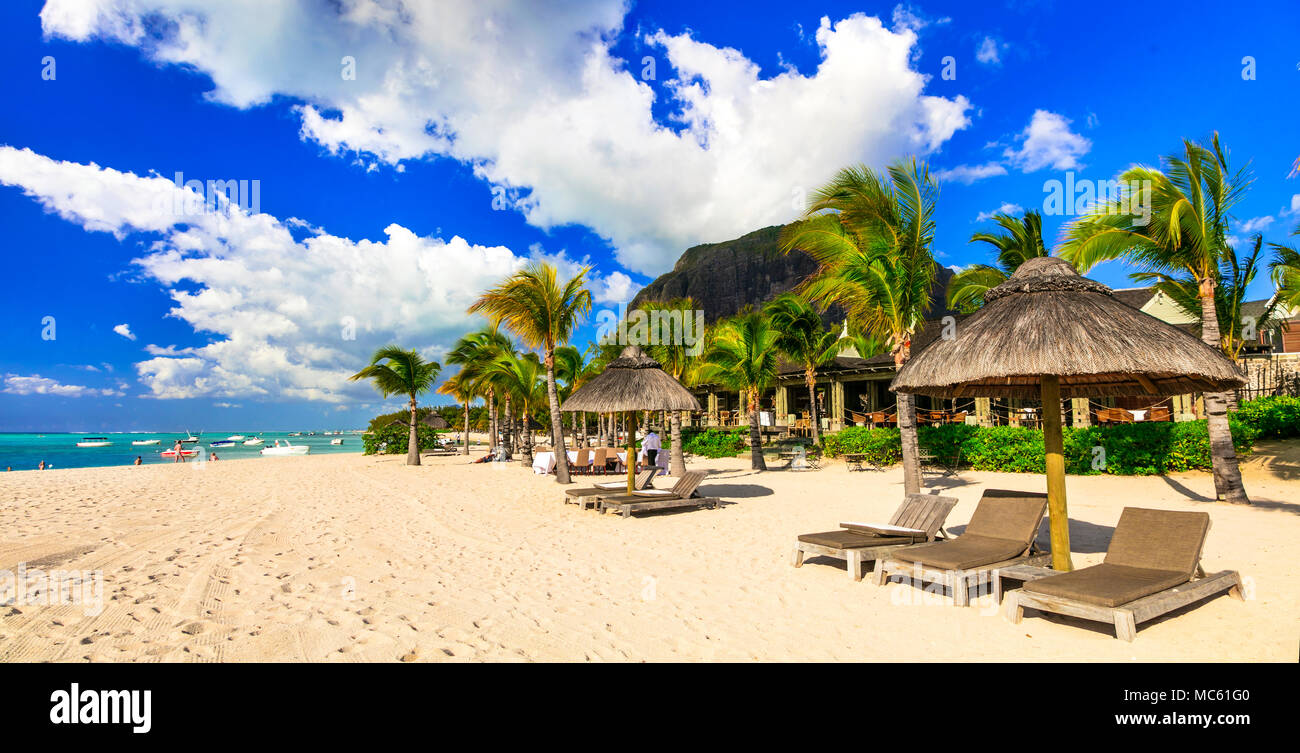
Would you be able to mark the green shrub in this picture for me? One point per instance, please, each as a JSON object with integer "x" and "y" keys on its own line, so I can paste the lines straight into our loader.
{"x": 1129, "y": 449}
{"x": 398, "y": 436}
{"x": 1273, "y": 417}
{"x": 714, "y": 443}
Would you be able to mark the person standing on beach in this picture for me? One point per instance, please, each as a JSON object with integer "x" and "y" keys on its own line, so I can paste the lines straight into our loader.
{"x": 178, "y": 449}
{"x": 651, "y": 445}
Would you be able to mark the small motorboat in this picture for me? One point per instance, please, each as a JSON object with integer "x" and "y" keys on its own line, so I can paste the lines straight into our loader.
{"x": 286, "y": 449}
{"x": 222, "y": 443}
{"x": 336, "y": 441}
{"x": 254, "y": 442}
{"x": 146, "y": 442}
{"x": 190, "y": 438}
{"x": 94, "y": 442}
{"x": 236, "y": 438}
{"x": 169, "y": 454}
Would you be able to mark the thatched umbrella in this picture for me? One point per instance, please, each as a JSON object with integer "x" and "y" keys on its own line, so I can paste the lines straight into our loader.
{"x": 632, "y": 382}
{"x": 1046, "y": 333}
{"x": 435, "y": 421}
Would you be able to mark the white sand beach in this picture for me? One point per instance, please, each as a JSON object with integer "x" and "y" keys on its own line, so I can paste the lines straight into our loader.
{"x": 351, "y": 558}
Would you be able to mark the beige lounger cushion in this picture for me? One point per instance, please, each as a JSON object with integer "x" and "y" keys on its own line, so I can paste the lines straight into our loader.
{"x": 970, "y": 550}
{"x": 1107, "y": 585}
{"x": 853, "y": 540}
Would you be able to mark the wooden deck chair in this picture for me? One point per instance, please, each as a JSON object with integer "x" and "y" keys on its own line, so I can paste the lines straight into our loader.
{"x": 1001, "y": 533}
{"x": 586, "y": 496}
{"x": 1152, "y": 567}
{"x": 918, "y": 520}
{"x": 683, "y": 494}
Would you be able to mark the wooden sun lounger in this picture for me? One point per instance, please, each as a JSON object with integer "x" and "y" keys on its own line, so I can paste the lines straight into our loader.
{"x": 856, "y": 543}
{"x": 586, "y": 496}
{"x": 683, "y": 494}
{"x": 1152, "y": 567}
{"x": 1001, "y": 533}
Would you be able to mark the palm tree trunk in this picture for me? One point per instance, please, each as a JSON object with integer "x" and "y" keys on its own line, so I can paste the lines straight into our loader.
{"x": 466, "y": 436}
{"x": 526, "y": 447}
{"x": 756, "y": 461}
{"x": 413, "y": 441}
{"x": 810, "y": 376}
{"x": 507, "y": 439}
{"x": 677, "y": 457}
{"x": 576, "y": 438}
{"x": 557, "y": 423}
{"x": 911, "y": 448}
{"x": 1223, "y": 456}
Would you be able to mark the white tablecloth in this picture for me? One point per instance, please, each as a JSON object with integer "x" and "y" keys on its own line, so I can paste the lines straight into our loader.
{"x": 544, "y": 462}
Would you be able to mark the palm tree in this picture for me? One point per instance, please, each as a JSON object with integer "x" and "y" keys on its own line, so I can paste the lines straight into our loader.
{"x": 571, "y": 370}
{"x": 865, "y": 344}
{"x": 1183, "y": 233}
{"x": 462, "y": 388}
{"x": 542, "y": 313}
{"x": 870, "y": 234}
{"x": 1285, "y": 268}
{"x": 405, "y": 373}
{"x": 474, "y": 353}
{"x": 677, "y": 361}
{"x": 743, "y": 357}
{"x": 1021, "y": 240}
{"x": 520, "y": 377}
{"x": 1235, "y": 275}
{"x": 803, "y": 339}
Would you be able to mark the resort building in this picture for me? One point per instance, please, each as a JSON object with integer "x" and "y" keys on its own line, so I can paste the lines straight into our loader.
{"x": 851, "y": 390}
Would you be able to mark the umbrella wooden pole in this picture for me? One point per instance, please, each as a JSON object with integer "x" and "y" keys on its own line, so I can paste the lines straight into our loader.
{"x": 631, "y": 457}
{"x": 1053, "y": 444}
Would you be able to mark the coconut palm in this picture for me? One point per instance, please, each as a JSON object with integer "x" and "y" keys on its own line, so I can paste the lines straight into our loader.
{"x": 1235, "y": 275}
{"x": 1183, "y": 233}
{"x": 519, "y": 376}
{"x": 743, "y": 357}
{"x": 571, "y": 371}
{"x": 870, "y": 234}
{"x": 462, "y": 388}
{"x": 864, "y": 344}
{"x": 542, "y": 312}
{"x": 678, "y": 361}
{"x": 473, "y": 353}
{"x": 395, "y": 371}
{"x": 1021, "y": 239}
{"x": 803, "y": 339}
{"x": 1285, "y": 268}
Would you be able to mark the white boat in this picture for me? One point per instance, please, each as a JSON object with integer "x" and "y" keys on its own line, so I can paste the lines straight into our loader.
{"x": 282, "y": 450}
{"x": 94, "y": 442}
{"x": 336, "y": 441}
{"x": 190, "y": 438}
{"x": 254, "y": 442}
{"x": 146, "y": 442}
{"x": 222, "y": 443}
{"x": 236, "y": 438}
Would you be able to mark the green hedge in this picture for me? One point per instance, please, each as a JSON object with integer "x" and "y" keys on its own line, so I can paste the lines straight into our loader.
{"x": 1130, "y": 449}
{"x": 1272, "y": 417}
{"x": 713, "y": 443}
{"x": 398, "y": 436}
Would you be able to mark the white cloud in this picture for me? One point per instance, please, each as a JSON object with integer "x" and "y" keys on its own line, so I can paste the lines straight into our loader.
{"x": 15, "y": 384}
{"x": 989, "y": 51}
{"x": 531, "y": 96}
{"x": 1255, "y": 225}
{"x": 125, "y": 331}
{"x": 970, "y": 173}
{"x": 1006, "y": 208}
{"x": 286, "y": 318}
{"x": 1048, "y": 142}
{"x": 615, "y": 288}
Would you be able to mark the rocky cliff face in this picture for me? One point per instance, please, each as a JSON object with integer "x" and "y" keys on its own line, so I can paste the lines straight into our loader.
{"x": 722, "y": 278}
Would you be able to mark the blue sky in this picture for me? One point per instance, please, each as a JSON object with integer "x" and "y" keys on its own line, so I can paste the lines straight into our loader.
{"x": 471, "y": 139}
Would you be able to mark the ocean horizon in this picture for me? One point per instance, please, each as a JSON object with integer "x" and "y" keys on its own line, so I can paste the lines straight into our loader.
{"x": 24, "y": 451}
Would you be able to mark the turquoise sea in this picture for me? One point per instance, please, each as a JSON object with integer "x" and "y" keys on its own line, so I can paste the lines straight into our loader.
{"x": 25, "y": 451}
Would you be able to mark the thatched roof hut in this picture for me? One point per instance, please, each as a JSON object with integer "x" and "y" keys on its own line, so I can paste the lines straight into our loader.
{"x": 1047, "y": 319}
{"x": 435, "y": 421}
{"x": 1047, "y": 332}
{"x": 633, "y": 381}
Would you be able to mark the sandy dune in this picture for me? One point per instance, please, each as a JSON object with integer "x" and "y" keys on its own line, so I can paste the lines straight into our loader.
{"x": 349, "y": 558}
